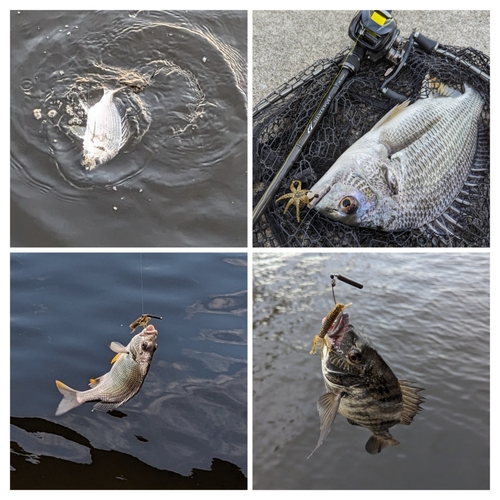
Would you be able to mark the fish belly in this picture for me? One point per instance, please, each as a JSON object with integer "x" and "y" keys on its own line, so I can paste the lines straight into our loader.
{"x": 120, "y": 384}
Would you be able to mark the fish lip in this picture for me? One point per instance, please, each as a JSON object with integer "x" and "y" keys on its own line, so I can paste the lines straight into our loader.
{"x": 338, "y": 330}
{"x": 317, "y": 197}
{"x": 149, "y": 331}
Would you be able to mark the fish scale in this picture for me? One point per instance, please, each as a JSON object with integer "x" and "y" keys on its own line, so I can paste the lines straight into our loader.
{"x": 107, "y": 130}
{"x": 122, "y": 382}
{"x": 409, "y": 168}
{"x": 362, "y": 388}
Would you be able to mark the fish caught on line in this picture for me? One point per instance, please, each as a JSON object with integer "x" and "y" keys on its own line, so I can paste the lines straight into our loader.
{"x": 410, "y": 167}
{"x": 107, "y": 129}
{"x": 130, "y": 367}
{"x": 361, "y": 387}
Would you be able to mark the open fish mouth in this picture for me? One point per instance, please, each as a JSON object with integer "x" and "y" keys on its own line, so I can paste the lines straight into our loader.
{"x": 150, "y": 330}
{"x": 335, "y": 335}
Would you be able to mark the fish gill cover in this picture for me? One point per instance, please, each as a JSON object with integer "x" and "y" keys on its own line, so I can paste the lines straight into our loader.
{"x": 280, "y": 119}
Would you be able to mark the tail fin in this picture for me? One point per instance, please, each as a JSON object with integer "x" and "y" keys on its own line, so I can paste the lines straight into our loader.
{"x": 377, "y": 443}
{"x": 69, "y": 400}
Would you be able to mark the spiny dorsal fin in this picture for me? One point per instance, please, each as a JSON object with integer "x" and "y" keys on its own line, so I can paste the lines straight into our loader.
{"x": 435, "y": 88}
{"x": 411, "y": 401}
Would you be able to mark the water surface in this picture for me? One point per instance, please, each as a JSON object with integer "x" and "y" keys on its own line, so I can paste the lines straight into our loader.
{"x": 181, "y": 181}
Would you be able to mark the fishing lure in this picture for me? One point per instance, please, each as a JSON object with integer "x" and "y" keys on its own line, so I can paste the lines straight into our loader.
{"x": 332, "y": 316}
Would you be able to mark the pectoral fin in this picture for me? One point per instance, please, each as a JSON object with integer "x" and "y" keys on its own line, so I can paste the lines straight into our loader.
{"x": 328, "y": 407}
{"x": 117, "y": 347}
{"x": 78, "y": 131}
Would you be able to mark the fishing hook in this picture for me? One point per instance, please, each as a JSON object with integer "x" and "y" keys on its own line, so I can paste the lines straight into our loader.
{"x": 345, "y": 280}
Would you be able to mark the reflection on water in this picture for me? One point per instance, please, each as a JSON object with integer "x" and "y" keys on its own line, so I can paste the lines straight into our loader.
{"x": 187, "y": 426}
{"x": 111, "y": 469}
{"x": 182, "y": 80}
{"x": 428, "y": 317}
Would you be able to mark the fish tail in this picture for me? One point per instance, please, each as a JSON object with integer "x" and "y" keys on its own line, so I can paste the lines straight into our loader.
{"x": 378, "y": 442}
{"x": 69, "y": 400}
{"x": 437, "y": 89}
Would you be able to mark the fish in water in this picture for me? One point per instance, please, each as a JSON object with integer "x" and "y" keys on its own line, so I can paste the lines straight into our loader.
{"x": 130, "y": 367}
{"x": 361, "y": 387}
{"x": 107, "y": 130}
{"x": 409, "y": 168}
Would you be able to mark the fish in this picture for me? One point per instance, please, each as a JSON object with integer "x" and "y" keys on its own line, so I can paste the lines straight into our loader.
{"x": 362, "y": 388}
{"x": 410, "y": 167}
{"x": 130, "y": 367}
{"x": 106, "y": 132}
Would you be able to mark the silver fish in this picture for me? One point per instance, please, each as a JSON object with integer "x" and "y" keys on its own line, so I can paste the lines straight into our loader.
{"x": 362, "y": 388}
{"x": 107, "y": 130}
{"x": 409, "y": 168}
{"x": 122, "y": 382}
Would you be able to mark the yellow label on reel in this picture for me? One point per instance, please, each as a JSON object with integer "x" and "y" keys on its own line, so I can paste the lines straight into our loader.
{"x": 378, "y": 18}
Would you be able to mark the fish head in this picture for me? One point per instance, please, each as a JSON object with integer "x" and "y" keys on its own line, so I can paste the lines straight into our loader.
{"x": 143, "y": 345}
{"x": 351, "y": 356}
{"x": 358, "y": 192}
{"x": 94, "y": 154}
{"x": 345, "y": 203}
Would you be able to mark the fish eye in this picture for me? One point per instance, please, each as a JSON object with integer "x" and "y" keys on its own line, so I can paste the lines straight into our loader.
{"x": 354, "y": 356}
{"x": 144, "y": 346}
{"x": 348, "y": 204}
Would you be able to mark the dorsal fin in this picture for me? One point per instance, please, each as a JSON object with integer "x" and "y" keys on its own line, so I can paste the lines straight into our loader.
{"x": 391, "y": 114}
{"x": 411, "y": 401}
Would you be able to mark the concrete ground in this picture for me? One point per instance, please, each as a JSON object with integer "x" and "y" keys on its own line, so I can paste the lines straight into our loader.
{"x": 286, "y": 42}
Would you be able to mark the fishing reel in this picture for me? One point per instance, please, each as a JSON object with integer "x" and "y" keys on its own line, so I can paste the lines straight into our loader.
{"x": 376, "y": 31}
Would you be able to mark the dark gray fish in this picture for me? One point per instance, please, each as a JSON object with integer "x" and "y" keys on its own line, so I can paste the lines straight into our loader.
{"x": 122, "y": 382}
{"x": 362, "y": 388}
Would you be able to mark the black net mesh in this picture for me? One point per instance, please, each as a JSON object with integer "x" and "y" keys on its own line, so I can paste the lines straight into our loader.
{"x": 280, "y": 119}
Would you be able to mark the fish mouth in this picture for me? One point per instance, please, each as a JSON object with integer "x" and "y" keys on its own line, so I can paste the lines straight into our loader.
{"x": 316, "y": 197}
{"x": 149, "y": 331}
{"x": 336, "y": 333}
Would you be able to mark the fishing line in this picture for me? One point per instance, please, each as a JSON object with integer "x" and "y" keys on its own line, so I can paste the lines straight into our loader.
{"x": 142, "y": 287}
{"x": 144, "y": 319}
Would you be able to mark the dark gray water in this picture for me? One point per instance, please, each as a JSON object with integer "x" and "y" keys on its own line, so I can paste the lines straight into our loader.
{"x": 428, "y": 315}
{"x": 182, "y": 179}
{"x": 186, "y": 428}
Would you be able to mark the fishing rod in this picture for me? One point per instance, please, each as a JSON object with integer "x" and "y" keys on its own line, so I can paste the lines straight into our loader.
{"x": 349, "y": 67}
{"x": 376, "y": 36}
